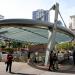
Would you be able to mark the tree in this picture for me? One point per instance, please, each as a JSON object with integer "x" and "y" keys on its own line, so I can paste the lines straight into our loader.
{"x": 65, "y": 45}
{"x": 9, "y": 50}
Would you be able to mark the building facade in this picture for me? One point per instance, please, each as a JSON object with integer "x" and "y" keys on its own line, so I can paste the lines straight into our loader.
{"x": 41, "y": 14}
{"x": 1, "y": 17}
{"x": 72, "y": 23}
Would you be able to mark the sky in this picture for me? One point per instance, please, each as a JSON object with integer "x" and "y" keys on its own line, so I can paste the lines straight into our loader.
{"x": 24, "y": 8}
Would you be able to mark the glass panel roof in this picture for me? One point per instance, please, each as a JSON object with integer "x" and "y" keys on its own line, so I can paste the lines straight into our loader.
{"x": 34, "y": 35}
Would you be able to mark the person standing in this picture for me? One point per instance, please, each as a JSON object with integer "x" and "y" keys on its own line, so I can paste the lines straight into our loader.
{"x": 55, "y": 62}
{"x": 74, "y": 57}
{"x": 51, "y": 61}
{"x": 9, "y": 62}
{"x": 29, "y": 53}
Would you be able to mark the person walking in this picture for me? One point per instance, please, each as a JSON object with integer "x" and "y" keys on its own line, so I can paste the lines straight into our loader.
{"x": 9, "y": 62}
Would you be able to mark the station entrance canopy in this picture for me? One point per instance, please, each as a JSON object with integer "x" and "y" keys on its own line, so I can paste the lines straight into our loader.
{"x": 28, "y": 30}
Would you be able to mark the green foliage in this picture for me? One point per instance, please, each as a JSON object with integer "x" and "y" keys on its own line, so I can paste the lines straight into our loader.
{"x": 16, "y": 44}
{"x": 65, "y": 45}
{"x": 9, "y": 50}
{"x": 2, "y": 46}
{"x": 2, "y": 43}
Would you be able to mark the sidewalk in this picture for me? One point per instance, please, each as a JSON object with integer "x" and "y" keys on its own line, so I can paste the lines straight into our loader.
{"x": 19, "y": 68}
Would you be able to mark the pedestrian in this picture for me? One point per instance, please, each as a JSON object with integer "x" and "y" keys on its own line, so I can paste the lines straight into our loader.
{"x": 55, "y": 61}
{"x": 9, "y": 62}
{"x": 29, "y": 53}
{"x": 51, "y": 61}
{"x": 74, "y": 57}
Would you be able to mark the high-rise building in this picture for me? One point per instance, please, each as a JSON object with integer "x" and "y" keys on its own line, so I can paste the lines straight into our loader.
{"x": 1, "y": 17}
{"x": 41, "y": 14}
{"x": 72, "y": 23}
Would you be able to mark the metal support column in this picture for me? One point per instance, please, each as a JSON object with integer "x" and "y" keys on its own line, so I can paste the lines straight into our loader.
{"x": 52, "y": 35}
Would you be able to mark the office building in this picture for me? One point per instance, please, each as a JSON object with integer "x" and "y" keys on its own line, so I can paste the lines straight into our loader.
{"x": 72, "y": 23}
{"x": 1, "y": 17}
{"x": 41, "y": 14}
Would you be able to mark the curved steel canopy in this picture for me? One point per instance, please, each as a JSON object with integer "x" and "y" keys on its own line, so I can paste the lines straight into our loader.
{"x": 33, "y": 23}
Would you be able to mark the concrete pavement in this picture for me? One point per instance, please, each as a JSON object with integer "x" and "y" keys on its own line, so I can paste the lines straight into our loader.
{"x": 19, "y": 68}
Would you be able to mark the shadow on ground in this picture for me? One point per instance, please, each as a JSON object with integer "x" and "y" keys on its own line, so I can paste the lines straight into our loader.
{"x": 21, "y": 73}
{"x": 70, "y": 70}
